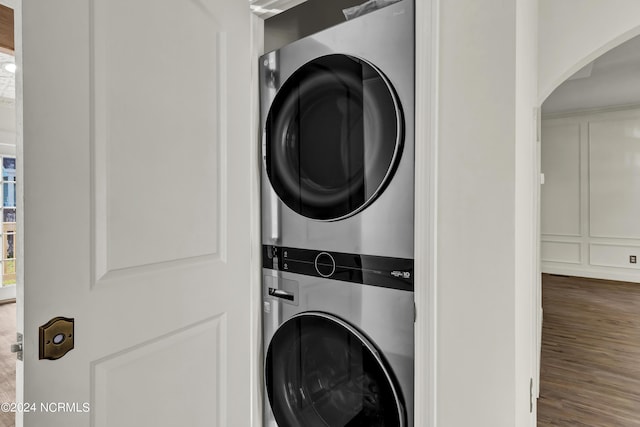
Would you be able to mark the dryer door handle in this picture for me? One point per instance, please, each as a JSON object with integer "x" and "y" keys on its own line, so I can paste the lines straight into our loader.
{"x": 281, "y": 294}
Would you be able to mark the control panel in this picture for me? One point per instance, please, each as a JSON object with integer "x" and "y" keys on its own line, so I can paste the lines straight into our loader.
{"x": 396, "y": 273}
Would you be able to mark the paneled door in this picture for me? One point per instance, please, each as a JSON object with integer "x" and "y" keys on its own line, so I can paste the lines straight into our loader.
{"x": 136, "y": 156}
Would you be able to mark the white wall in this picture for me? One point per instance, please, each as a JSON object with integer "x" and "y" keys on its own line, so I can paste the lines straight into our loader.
{"x": 590, "y": 199}
{"x": 526, "y": 195}
{"x": 611, "y": 79}
{"x": 487, "y": 165}
{"x": 486, "y": 103}
{"x": 7, "y": 128}
{"x": 572, "y": 33}
{"x": 485, "y": 210}
{"x": 487, "y": 181}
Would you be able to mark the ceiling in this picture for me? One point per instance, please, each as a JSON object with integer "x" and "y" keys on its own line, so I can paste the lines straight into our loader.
{"x": 611, "y": 80}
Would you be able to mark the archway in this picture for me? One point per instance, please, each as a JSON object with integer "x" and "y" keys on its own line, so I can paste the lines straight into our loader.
{"x": 579, "y": 48}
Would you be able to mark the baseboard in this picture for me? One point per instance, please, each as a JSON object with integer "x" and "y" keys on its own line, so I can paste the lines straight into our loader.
{"x": 592, "y": 274}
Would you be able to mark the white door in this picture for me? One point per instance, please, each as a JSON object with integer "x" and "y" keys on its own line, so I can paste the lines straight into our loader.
{"x": 137, "y": 178}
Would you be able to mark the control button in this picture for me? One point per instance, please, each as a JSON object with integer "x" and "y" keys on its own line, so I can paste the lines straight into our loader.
{"x": 325, "y": 264}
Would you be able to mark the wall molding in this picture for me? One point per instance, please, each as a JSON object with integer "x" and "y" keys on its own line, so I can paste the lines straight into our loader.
{"x": 602, "y": 236}
{"x": 557, "y": 237}
{"x": 590, "y": 111}
{"x": 591, "y": 122}
{"x": 578, "y": 236}
{"x": 592, "y": 273}
{"x": 635, "y": 249}
{"x": 426, "y": 173}
{"x": 580, "y": 132}
{"x": 578, "y": 261}
{"x": 255, "y": 258}
{"x": 608, "y": 265}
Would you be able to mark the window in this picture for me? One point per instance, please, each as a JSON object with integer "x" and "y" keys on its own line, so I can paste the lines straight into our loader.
{"x": 8, "y": 260}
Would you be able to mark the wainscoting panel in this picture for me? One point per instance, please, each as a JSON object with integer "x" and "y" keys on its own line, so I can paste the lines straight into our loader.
{"x": 560, "y": 195}
{"x": 614, "y": 255}
{"x": 592, "y": 159}
{"x": 614, "y": 178}
{"x": 565, "y": 252}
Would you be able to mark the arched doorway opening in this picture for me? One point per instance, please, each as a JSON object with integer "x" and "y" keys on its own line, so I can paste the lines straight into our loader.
{"x": 590, "y": 161}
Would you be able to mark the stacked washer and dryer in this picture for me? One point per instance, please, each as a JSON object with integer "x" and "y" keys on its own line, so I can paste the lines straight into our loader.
{"x": 337, "y": 110}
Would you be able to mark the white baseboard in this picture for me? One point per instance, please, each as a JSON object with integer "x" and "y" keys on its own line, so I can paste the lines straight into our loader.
{"x": 594, "y": 273}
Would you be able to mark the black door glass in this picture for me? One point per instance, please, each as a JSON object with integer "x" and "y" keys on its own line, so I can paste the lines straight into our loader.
{"x": 333, "y": 137}
{"x": 320, "y": 374}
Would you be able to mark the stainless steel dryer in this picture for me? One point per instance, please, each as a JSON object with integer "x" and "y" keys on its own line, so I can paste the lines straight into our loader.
{"x": 337, "y": 114}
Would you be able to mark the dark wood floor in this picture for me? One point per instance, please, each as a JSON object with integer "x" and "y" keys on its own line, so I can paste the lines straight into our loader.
{"x": 7, "y": 361}
{"x": 590, "y": 370}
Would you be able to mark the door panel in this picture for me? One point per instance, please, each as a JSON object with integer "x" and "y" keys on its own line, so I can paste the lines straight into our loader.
{"x": 122, "y": 381}
{"x": 156, "y": 90}
{"x": 137, "y": 210}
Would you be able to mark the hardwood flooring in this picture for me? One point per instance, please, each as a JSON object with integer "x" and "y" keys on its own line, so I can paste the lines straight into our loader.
{"x": 590, "y": 372}
{"x": 7, "y": 361}
{"x": 590, "y": 366}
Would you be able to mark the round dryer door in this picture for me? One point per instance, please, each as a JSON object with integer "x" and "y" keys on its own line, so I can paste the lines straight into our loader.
{"x": 321, "y": 372}
{"x": 333, "y": 137}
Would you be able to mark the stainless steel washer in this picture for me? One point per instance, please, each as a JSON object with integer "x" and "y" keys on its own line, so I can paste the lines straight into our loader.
{"x": 336, "y": 353}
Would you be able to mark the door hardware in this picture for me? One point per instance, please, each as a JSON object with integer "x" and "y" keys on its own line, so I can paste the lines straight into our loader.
{"x": 17, "y": 347}
{"x": 56, "y": 338}
{"x": 281, "y": 294}
{"x": 531, "y": 395}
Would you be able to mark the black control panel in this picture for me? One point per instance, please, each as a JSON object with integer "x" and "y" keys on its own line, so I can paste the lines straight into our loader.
{"x": 396, "y": 273}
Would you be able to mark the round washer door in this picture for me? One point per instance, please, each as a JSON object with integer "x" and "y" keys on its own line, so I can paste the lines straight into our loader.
{"x": 321, "y": 372}
{"x": 333, "y": 137}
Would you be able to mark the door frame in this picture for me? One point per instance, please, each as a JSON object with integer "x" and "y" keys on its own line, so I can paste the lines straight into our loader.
{"x": 426, "y": 102}
{"x": 10, "y": 292}
{"x": 426, "y": 195}
{"x": 425, "y": 213}
{"x": 20, "y": 302}
{"x": 425, "y": 259}
{"x": 255, "y": 264}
